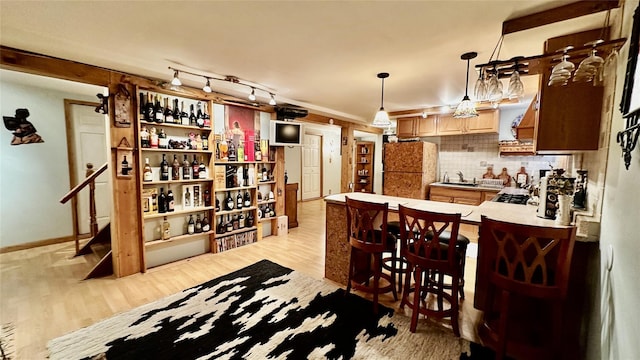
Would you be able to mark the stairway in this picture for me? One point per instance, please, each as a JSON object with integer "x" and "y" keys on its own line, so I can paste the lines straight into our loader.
{"x": 100, "y": 248}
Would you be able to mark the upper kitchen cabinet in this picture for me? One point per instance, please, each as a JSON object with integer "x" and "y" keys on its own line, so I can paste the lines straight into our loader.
{"x": 487, "y": 122}
{"x": 416, "y": 126}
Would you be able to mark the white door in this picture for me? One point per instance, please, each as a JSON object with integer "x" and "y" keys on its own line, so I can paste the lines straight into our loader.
{"x": 311, "y": 160}
{"x": 89, "y": 145}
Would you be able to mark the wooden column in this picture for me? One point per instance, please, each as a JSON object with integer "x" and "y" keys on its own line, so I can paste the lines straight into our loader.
{"x": 347, "y": 142}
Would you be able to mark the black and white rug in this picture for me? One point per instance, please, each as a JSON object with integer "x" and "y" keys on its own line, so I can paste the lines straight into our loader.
{"x": 263, "y": 311}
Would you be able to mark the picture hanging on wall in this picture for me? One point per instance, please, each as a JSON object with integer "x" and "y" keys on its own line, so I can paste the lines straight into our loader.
{"x": 22, "y": 129}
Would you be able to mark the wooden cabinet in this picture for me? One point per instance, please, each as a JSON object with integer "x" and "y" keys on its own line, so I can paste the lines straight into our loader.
{"x": 487, "y": 121}
{"x": 416, "y": 126}
{"x": 470, "y": 196}
{"x": 363, "y": 177}
{"x": 291, "y": 204}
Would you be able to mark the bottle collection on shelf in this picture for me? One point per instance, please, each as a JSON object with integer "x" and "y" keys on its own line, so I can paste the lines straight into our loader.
{"x": 157, "y": 139}
{"x": 178, "y": 170}
{"x": 159, "y": 109}
{"x": 154, "y": 202}
{"x": 236, "y": 148}
{"x": 200, "y": 225}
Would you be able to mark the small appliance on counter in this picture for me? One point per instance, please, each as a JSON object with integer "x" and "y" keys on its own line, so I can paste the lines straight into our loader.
{"x": 548, "y": 193}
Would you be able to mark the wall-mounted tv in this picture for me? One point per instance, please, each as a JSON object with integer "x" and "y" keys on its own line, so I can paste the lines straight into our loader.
{"x": 286, "y": 133}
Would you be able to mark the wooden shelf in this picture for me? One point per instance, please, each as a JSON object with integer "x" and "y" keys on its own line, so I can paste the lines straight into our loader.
{"x": 238, "y": 231}
{"x": 179, "y": 126}
{"x": 162, "y": 182}
{"x": 266, "y": 182}
{"x": 178, "y": 238}
{"x": 235, "y": 211}
{"x": 178, "y": 212}
{"x": 268, "y": 219}
{"x": 176, "y": 150}
{"x": 223, "y": 162}
{"x": 250, "y": 187}
{"x": 266, "y": 202}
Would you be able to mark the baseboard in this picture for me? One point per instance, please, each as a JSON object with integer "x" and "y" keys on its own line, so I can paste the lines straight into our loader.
{"x": 34, "y": 244}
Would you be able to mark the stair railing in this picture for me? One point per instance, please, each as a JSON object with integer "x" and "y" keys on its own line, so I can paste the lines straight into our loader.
{"x": 90, "y": 180}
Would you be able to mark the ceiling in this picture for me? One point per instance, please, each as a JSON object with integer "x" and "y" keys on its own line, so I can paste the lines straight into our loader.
{"x": 322, "y": 55}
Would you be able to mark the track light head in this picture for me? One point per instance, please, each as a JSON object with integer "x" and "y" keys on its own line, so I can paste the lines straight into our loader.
{"x": 272, "y": 101}
{"x": 207, "y": 87}
{"x": 176, "y": 80}
{"x": 252, "y": 96}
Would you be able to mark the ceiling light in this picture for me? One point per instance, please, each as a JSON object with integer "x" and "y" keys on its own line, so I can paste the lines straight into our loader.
{"x": 207, "y": 87}
{"x": 382, "y": 117}
{"x": 466, "y": 109}
{"x": 272, "y": 101}
{"x": 252, "y": 96}
{"x": 176, "y": 80}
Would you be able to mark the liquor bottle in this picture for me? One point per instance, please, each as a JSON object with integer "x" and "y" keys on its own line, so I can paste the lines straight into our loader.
{"x": 222, "y": 227}
{"x": 205, "y": 224}
{"x": 159, "y": 111}
{"x": 265, "y": 175}
{"x": 184, "y": 117}
{"x": 205, "y": 142}
{"x": 191, "y": 225}
{"x": 153, "y": 137}
{"x": 217, "y": 204}
{"x": 147, "y": 172}
{"x": 236, "y": 222}
{"x": 260, "y": 214}
{"x": 166, "y": 229}
{"x": 142, "y": 106}
{"x": 241, "y": 221}
{"x": 247, "y": 199}
{"x": 207, "y": 198}
{"x": 192, "y": 116}
{"x": 196, "y": 195}
{"x": 154, "y": 203}
{"x": 168, "y": 111}
{"x": 202, "y": 170}
{"x": 239, "y": 200}
{"x": 162, "y": 202}
{"x": 186, "y": 169}
{"x": 150, "y": 113}
{"x": 176, "y": 112}
{"x": 187, "y": 198}
{"x": 171, "y": 203}
{"x": 200, "y": 117}
{"x": 163, "y": 142}
{"x": 125, "y": 166}
{"x": 229, "y": 202}
{"x": 240, "y": 151}
{"x": 229, "y": 224}
{"x": 175, "y": 169}
{"x": 164, "y": 169}
{"x": 207, "y": 117}
{"x": 198, "y": 224}
{"x": 250, "y": 220}
{"x": 232, "y": 152}
{"x": 144, "y": 138}
{"x": 195, "y": 168}
{"x": 223, "y": 146}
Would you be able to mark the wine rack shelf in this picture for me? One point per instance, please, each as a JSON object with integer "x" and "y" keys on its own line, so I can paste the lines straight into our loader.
{"x": 237, "y": 231}
{"x": 177, "y": 238}
{"x": 163, "y": 182}
{"x": 179, "y": 212}
{"x": 177, "y": 126}
{"x": 236, "y": 211}
{"x": 177, "y": 150}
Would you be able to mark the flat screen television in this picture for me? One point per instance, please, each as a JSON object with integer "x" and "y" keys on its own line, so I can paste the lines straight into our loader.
{"x": 286, "y": 133}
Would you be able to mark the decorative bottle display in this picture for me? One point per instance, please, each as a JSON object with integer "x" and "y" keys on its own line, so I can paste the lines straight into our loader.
{"x": 247, "y": 199}
{"x": 239, "y": 200}
{"x": 198, "y": 224}
{"x": 166, "y": 229}
{"x": 195, "y": 167}
{"x": 147, "y": 172}
{"x": 191, "y": 225}
{"x": 205, "y": 224}
{"x": 202, "y": 169}
{"x": 125, "y": 166}
{"x": 175, "y": 169}
{"x": 171, "y": 203}
{"x": 164, "y": 169}
{"x": 186, "y": 169}
{"x": 229, "y": 202}
{"x": 162, "y": 202}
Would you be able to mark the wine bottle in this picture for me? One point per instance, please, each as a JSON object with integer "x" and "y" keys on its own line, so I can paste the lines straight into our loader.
{"x": 247, "y": 199}
{"x": 187, "y": 198}
{"x": 241, "y": 151}
{"x": 236, "y": 222}
{"x": 239, "y": 200}
{"x": 205, "y": 224}
{"x": 241, "y": 221}
{"x": 149, "y": 114}
{"x": 125, "y": 166}
{"x": 205, "y": 142}
{"x": 265, "y": 175}
{"x": 168, "y": 111}
{"x": 232, "y": 151}
{"x": 202, "y": 170}
{"x": 222, "y": 227}
{"x": 158, "y": 110}
{"x": 229, "y": 224}
{"x": 142, "y": 106}
{"x": 171, "y": 203}
{"x": 207, "y": 198}
{"x": 184, "y": 117}
{"x": 196, "y": 195}
{"x": 144, "y": 138}
{"x": 250, "y": 220}
{"x": 147, "y": 173}
{"x": 164, "y": 169}
{"x": 166, "y": 229}
{"x": 186, "y": 169}
{"x": 195, "y": 168}
{"x": 217, "y": 204}
{"x": 162, "y": 202}
{"x": 200, "y": 117}
{"x": 154, "y": 203}
{"x": 153, "y": 138}
{"x": 198, "y": 224}
{"x": 163, "y": 142}
{"x": 229, "y": 201}
{"x": 176, "y": 112}
{"x": 191, "y": 225}
{"x": 192, "y": 116}
{"x": 175, "y": 169}
{"x": 207, "y": 117}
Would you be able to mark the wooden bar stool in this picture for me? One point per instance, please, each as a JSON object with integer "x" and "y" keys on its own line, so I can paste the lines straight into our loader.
{"x": 368, "y": 242}
{"x": 395, "y": 263}
{"x": 521, "y": 283}
{"x": 430, "y": 259}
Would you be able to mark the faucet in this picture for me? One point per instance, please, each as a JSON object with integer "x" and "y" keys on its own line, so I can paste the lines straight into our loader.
{"x": 461, "y": 176}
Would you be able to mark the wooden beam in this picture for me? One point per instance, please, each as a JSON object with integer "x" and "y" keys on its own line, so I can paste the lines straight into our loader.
{"x": 566, "y": 12}
{"x": 326, "y": 120}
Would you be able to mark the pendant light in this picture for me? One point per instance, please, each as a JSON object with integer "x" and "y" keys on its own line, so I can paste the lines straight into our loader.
{"x": 466, "y": 109}
{"x": 382, "y": 117}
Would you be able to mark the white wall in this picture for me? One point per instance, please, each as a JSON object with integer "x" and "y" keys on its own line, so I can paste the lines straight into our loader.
{"x": 619, "y": 232}
{"x": 33, "y": 177}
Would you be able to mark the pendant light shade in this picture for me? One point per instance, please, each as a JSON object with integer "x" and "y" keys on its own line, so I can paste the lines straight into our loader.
{"x": 467, "y": 108}
{"x": 382, "y": 117}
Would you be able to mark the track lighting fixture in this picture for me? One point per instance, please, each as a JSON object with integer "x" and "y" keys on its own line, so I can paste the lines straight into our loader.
{"x": 252, "y": 96}
{"x": 176, "y": 80}
{"x": 272, "y": 101}
{"x": 207, "y": 87}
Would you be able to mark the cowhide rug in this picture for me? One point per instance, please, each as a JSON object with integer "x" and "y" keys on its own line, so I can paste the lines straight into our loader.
{"x": 262, "y": 311}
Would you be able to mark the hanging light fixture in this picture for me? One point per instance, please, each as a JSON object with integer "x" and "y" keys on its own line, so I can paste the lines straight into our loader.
{"x": 252, "y": 96}
{"x": 176, "y": 80}
{"x": 207, "y": 87}
{"x": 272, "y": 101}
{"x": 382, "y": 117}
{"x": 466, "y": 109}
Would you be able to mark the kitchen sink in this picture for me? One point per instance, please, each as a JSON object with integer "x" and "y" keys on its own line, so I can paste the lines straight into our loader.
{"x": 461, "y": 184}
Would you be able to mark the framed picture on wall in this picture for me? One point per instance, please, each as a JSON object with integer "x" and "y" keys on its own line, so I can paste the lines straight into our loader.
{"x": 631, "y": 91}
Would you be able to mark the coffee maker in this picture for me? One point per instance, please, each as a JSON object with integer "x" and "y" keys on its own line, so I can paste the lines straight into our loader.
{"x": 548, "y": 199}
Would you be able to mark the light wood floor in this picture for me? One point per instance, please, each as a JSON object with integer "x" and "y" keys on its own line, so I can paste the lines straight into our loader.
{"x": 41, "y": 294}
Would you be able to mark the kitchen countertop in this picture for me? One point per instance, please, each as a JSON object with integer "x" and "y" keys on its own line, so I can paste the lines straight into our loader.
{"x": 453, "y": 185}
